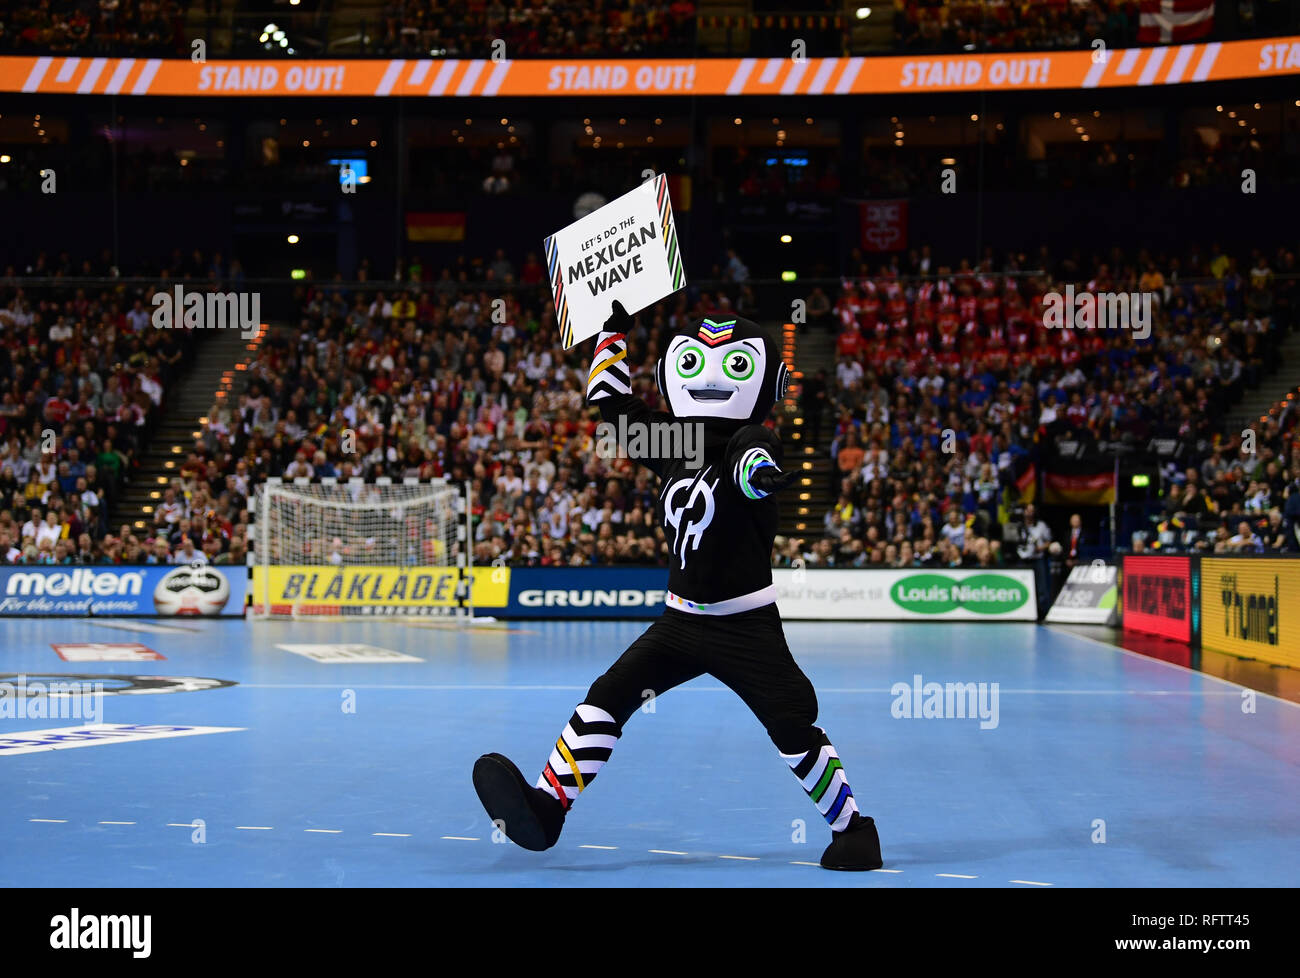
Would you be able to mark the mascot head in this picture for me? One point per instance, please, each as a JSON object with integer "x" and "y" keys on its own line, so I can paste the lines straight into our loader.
{"x": 725, "y": 371}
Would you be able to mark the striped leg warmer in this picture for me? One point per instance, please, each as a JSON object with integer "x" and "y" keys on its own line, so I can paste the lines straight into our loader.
{"x": 579, "y": 754}
{"x": 822, "y": 775}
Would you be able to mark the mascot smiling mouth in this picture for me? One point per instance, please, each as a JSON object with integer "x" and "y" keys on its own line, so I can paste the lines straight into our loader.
{"x": 710, "y": 393}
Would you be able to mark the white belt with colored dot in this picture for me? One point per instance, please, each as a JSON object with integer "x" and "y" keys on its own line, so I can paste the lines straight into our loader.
{"x": 731, "y": 606}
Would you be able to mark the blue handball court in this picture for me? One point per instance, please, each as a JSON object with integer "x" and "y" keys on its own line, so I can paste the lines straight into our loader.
{"x": 316, "y": 753}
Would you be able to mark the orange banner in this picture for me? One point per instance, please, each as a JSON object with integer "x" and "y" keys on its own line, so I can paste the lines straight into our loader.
{"x": 1168, "y": 65}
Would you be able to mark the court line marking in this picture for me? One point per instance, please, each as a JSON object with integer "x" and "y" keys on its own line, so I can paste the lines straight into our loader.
{"x": 145, "y": 627}
{"x": 1236, "y": 687}
{"x": 468, "y": 838}
{"x": 419, "y": 686}
{"x": 585, "y": 845}
{"x": 883, "y": 690}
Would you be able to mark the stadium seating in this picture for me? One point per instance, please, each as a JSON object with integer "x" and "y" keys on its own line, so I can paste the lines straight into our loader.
{"x": 948, "y": 391}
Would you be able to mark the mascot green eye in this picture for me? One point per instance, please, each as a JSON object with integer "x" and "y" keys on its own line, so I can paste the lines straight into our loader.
{"x": 739, "y": 365}
{"x": 690, "y": 362}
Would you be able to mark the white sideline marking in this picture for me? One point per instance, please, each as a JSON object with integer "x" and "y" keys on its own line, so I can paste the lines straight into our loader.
{"x": 1236, "y": 687}
{"x": 469, "y": 838}
{"x": 142, "y": 626}
{"x": 723, "y": 689}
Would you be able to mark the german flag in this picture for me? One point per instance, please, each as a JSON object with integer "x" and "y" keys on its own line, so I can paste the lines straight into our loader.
{"x": 1027, "y": 483}
{"x": 1061, "y": 489}
{"x": 435, "y": 225}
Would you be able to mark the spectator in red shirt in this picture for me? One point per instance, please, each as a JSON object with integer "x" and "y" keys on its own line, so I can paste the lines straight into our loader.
{"x": 850, "y": 343}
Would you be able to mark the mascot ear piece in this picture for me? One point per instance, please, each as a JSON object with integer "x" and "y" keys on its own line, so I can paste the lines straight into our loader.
{"x": 659, "y": 378}
{"x": 782, "y": 382}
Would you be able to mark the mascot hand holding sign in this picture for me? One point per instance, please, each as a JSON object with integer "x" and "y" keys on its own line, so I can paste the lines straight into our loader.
{"x": 720, "y": 516}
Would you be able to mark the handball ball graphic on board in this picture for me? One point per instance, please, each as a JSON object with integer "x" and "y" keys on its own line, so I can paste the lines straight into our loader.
{"x": 625, "y": 251}
{"x": 190, "y": 590}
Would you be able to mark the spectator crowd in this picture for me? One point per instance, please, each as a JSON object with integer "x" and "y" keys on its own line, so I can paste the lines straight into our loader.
{"x": 946, "y": 402}
{"x": 950, "y": 398}
{"x": 95, "y": 27}
{"x": 82, "y": 380}
{"x": 565, "y": 29}
{"x": 536, "y": 29}
{"x": 463, "y": 381}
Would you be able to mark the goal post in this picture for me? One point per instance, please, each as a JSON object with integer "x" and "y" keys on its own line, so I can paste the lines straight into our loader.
{"x": 362, "y": 549}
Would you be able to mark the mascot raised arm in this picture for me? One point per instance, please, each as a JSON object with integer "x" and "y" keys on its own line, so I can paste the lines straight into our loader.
{"x": 719, "y": 514}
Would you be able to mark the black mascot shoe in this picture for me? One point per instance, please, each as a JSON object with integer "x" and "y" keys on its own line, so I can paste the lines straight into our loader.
{"x": 529, "y": 816}
{"x": 856, "y": 848}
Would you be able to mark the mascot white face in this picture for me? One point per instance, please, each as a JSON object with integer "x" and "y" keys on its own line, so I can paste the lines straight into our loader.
{"x": 722, "y": 380}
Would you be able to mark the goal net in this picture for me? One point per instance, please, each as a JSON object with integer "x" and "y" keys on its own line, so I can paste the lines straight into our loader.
{"x": 361, "y": 549}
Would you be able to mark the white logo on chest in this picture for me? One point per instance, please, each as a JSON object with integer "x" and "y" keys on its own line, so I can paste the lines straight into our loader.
{"x": 690, "y": 499}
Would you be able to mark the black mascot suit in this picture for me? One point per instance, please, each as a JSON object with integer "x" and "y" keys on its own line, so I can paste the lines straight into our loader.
{"x": 719, "y": 513}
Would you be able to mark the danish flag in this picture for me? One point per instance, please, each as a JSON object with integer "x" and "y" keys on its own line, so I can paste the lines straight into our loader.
{"x": 1163, "y": 21}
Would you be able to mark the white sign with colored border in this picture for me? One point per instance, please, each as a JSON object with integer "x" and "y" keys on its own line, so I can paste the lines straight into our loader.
{"x": 627, "y": 250}
{"x": 348, "y": 653}
{"x": 63, "y": 738}
{"x": 105, "y": 652}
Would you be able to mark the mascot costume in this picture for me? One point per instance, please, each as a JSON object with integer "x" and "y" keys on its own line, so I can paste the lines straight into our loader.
{"x": 720, "y": 517}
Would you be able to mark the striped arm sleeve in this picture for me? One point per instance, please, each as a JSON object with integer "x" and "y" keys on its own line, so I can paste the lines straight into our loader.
{"x": 747, "y": 464}
{"x": 609, "y": 374}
